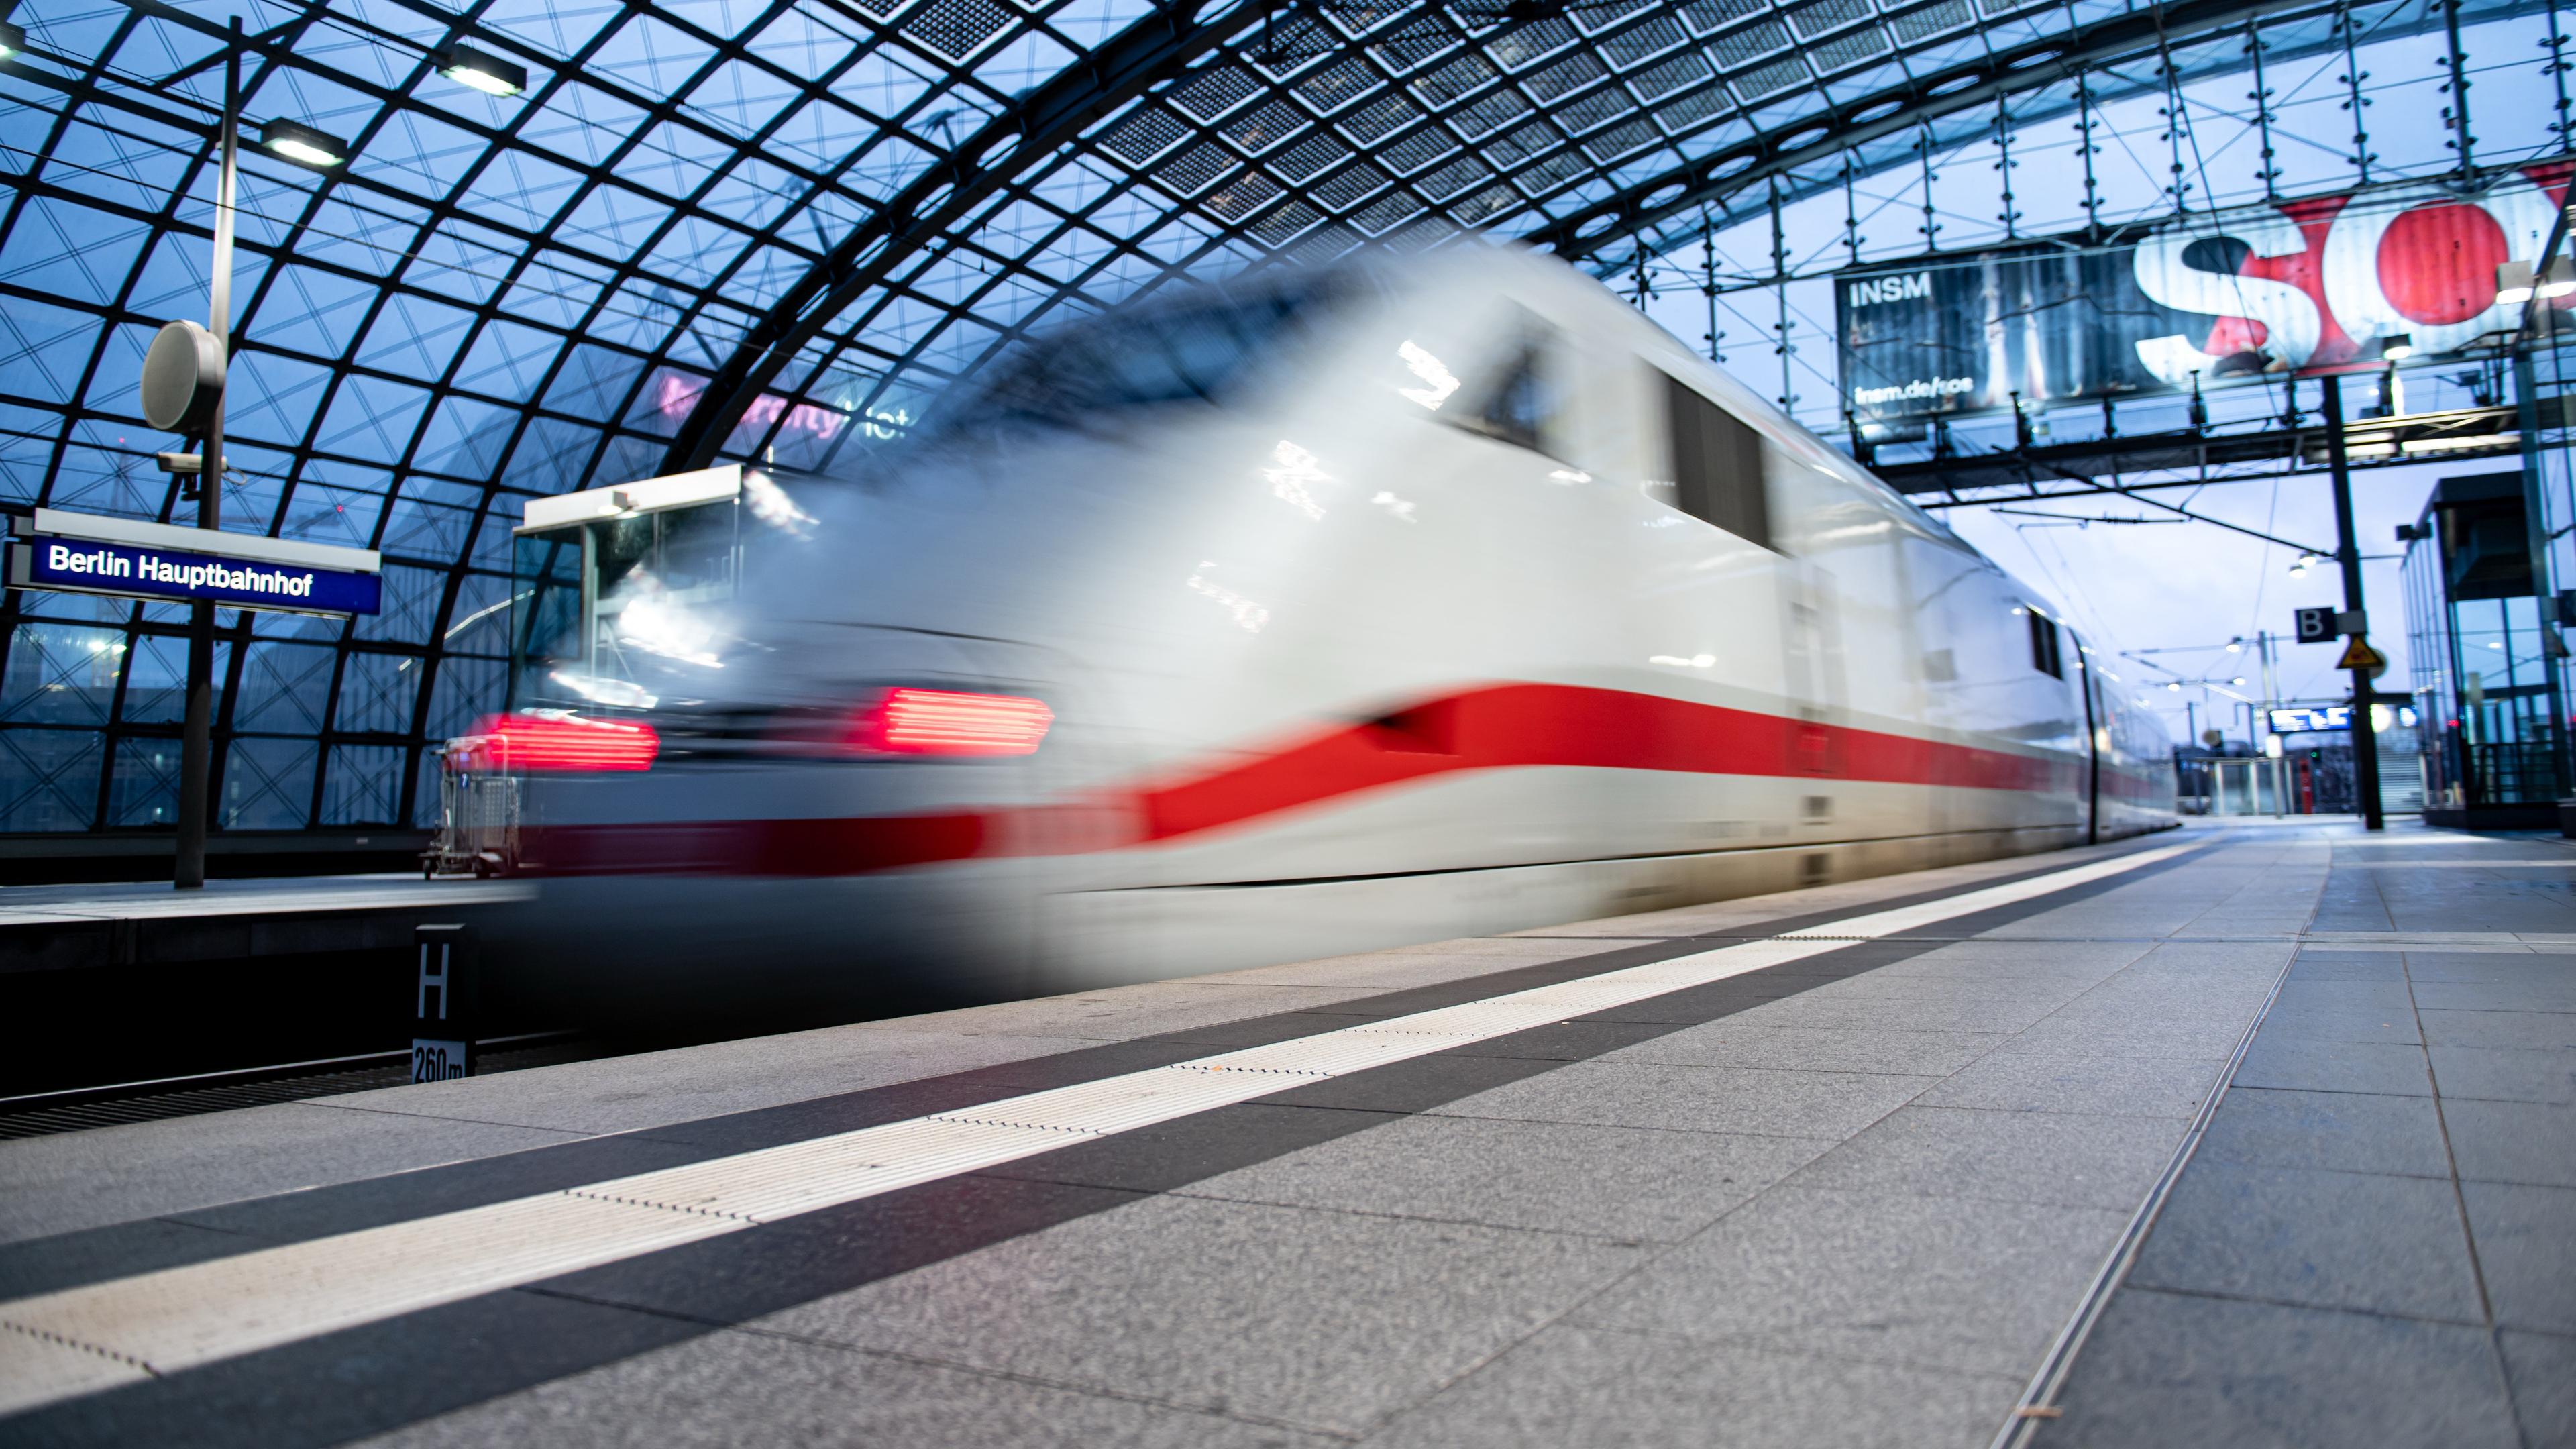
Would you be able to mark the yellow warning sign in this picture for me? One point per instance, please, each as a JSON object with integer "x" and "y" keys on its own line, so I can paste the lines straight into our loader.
{"x": 2359, "y": 655}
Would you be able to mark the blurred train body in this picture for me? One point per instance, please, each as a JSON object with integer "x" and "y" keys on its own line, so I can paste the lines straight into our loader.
{"x": 1351, "y": 609}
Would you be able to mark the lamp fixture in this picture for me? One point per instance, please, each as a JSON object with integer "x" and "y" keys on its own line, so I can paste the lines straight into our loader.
{"x": 303, "y": 145}
{"x": 2396, "y": 345}
{"x": 13, "y": 39}
{"x": 482, "y": 70}
{"x": 2519, "y": 282}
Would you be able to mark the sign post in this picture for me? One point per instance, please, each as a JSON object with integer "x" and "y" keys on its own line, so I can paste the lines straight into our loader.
{"x": 197, "y": 728}
{"x": 445, "y": 999}
{"x": 2365, "y": 743}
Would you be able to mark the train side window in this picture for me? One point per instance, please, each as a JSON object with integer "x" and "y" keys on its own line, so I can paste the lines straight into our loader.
{"x": 1717, "y": 465}
{"x": 2045, "y": 651}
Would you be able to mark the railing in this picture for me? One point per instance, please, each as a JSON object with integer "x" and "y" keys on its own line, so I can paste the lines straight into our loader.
{"x": 2511, "y": 772}
{"x": 2226, "y": 785}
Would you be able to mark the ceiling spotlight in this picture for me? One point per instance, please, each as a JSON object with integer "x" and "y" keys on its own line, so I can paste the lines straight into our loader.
{"x": 482, "y": 70}
{"x": 2513, "y": 283}
{"x": 2558, "y": 281}
{"x": 2397, "y": 345}
{"x": 304, "y": 145}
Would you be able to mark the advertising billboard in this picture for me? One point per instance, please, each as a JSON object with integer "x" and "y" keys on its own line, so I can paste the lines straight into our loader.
{"x": 2293, "y": 287}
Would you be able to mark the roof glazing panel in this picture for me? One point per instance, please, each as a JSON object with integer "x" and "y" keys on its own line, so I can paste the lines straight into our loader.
{"x": 507, "y": 296}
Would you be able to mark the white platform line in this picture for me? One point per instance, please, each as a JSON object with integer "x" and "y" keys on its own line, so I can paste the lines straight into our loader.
{"x": 81, "y": 1339}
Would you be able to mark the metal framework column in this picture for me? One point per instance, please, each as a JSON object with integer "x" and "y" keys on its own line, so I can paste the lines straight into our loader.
{"x": 1780, "y": 290}
{"x": 2261, "y": 96}
{"x": 2010, "y": 216}
{"x": 2085, "y": 151}
{"x": 1708, "y": 285}
{"x": 2556, "y": 45}
{"x": 2526, "y": 388}
{"x": 2457, "y": 112}
{"x": 2354, "y": 101}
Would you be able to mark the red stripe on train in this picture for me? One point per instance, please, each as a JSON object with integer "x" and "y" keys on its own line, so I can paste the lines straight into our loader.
{"x": 1511, "y": 726}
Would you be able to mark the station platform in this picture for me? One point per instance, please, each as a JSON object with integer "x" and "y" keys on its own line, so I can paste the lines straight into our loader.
{"x": 2245, "y": 1133}
{"x": 238, "y": 974}
{"x": 67, "y": 927}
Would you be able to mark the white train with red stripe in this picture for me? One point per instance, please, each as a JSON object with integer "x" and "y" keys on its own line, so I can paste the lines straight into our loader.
{"x": 1309, "y": 615}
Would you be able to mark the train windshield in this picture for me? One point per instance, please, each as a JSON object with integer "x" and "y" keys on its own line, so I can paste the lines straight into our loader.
{"x": 1209, "y": 349}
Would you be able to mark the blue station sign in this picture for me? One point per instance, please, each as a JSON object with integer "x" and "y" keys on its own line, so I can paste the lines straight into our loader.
{"x": 2311, "y": 721}
{"x": 81, "y": 553}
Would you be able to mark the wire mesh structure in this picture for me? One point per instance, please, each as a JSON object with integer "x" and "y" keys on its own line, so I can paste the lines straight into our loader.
{"x": 776, "y": 229}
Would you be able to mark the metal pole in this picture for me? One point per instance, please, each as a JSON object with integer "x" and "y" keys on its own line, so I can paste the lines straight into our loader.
{"x": 197, "y": 741}
{"x": 2365, "y": 742}
{"x": 2271, "y": 701}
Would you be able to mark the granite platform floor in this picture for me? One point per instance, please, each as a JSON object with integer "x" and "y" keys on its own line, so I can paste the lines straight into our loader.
{"x": 1852, "y": 1199}
{"x": 2376, "y": 1241}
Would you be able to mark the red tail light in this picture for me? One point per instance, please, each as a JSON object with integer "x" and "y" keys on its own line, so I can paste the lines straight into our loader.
{"x": 558, "y": 742}
{"x": 944, "y": 722}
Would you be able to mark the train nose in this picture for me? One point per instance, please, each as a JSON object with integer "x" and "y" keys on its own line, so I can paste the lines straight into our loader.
{"x": 700, "y": 950}
{"x": 823, "y": 833}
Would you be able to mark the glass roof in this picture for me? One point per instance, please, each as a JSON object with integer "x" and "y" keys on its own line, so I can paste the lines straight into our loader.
{"x": 775, "y": 229}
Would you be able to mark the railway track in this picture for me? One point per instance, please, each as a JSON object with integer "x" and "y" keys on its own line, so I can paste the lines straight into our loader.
{"x": 73, "y": 1109}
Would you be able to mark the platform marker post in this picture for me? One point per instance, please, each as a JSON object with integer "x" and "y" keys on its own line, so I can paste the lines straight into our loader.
{"x": 445, "y": 1001}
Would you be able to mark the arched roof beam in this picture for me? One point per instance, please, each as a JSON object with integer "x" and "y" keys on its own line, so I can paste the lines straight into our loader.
{"x": 1153, "y": 50}
{"x": 1638, "y": 208}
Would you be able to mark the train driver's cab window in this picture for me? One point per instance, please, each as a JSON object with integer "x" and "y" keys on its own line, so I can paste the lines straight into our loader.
{"x": 2045, "y": 655}
{"x": 1521, "y": 403}
{"x": 1718, "y": 465}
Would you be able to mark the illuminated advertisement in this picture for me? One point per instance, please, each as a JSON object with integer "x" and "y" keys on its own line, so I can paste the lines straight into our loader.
{"x": 2292, "y": 287}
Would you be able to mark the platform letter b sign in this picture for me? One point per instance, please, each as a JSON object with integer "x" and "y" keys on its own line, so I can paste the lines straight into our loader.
{"x": 2316, "y": 626}
{"x": 442, "y": 1030}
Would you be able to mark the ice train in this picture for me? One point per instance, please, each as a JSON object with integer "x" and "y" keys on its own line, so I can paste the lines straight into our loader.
{"x": 1310, "y": 614}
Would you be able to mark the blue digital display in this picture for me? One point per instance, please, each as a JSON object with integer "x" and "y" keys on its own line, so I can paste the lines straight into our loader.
{"x": 137, "y": 571}
{"x": 2311, "y": 721}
